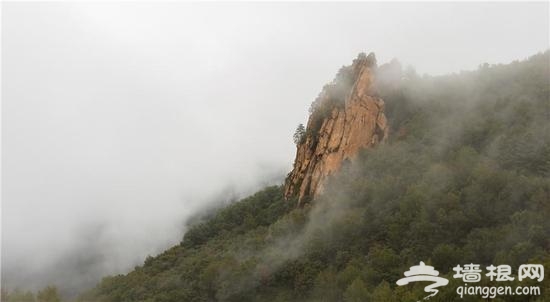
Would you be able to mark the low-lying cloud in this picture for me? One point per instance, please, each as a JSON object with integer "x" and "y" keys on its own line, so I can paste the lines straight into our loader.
{"x": 120, "y": 121}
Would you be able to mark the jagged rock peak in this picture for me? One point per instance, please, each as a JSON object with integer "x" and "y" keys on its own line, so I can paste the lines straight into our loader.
{"x": 345, "y": 118}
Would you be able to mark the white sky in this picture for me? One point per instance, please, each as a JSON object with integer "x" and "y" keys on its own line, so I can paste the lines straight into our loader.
{"x": 121, "y": 120}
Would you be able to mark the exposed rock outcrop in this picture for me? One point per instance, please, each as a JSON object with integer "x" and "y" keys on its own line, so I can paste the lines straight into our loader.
{"x": 345, "y": 118}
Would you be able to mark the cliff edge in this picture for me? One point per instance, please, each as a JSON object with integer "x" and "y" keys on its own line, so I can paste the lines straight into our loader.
{"x": 345, "y": 118}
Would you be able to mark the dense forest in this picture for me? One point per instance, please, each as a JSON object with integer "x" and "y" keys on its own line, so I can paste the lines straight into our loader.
{"x": 464, "y": 178}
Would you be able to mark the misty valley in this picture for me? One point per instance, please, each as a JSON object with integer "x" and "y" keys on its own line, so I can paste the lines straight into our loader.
{"x": 181, "y": 162}
{"x": 462, "y": 176}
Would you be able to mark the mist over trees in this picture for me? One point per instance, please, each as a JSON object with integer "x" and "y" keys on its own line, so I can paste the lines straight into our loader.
{"x": 133, "y": 120}
{"x": 47, "y": 294}
{"x": 464, "y": 178}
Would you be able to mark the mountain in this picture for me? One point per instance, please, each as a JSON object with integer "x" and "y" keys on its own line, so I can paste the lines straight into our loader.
{"x": 393, "y": 169}
{"x": 346, "y": 118}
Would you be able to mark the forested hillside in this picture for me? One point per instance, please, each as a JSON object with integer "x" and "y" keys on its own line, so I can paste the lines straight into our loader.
{"x": 463, "y": 178}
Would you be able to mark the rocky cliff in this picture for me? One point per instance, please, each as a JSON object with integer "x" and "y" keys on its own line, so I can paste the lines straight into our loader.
{"x": 345, "y": 118}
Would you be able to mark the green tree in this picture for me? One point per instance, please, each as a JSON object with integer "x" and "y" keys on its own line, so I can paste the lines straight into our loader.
{"x": 48, "y": 294}
{"x": 383, "y": 292}
{"x": 18, "y": 295}
{"x": 445, "y": 256}
{"x": 357, "y": 292}
{"x": 299, "y": 134}
{"x": 326, "y": 286}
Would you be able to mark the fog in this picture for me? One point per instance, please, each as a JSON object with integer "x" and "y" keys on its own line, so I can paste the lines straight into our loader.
{"x": 122, "y": 121}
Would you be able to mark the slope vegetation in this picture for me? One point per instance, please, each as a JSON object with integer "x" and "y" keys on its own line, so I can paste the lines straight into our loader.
{"x": 463, "y": 178}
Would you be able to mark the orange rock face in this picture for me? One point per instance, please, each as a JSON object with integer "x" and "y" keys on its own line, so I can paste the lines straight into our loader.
{"x": 337, "y": 130}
